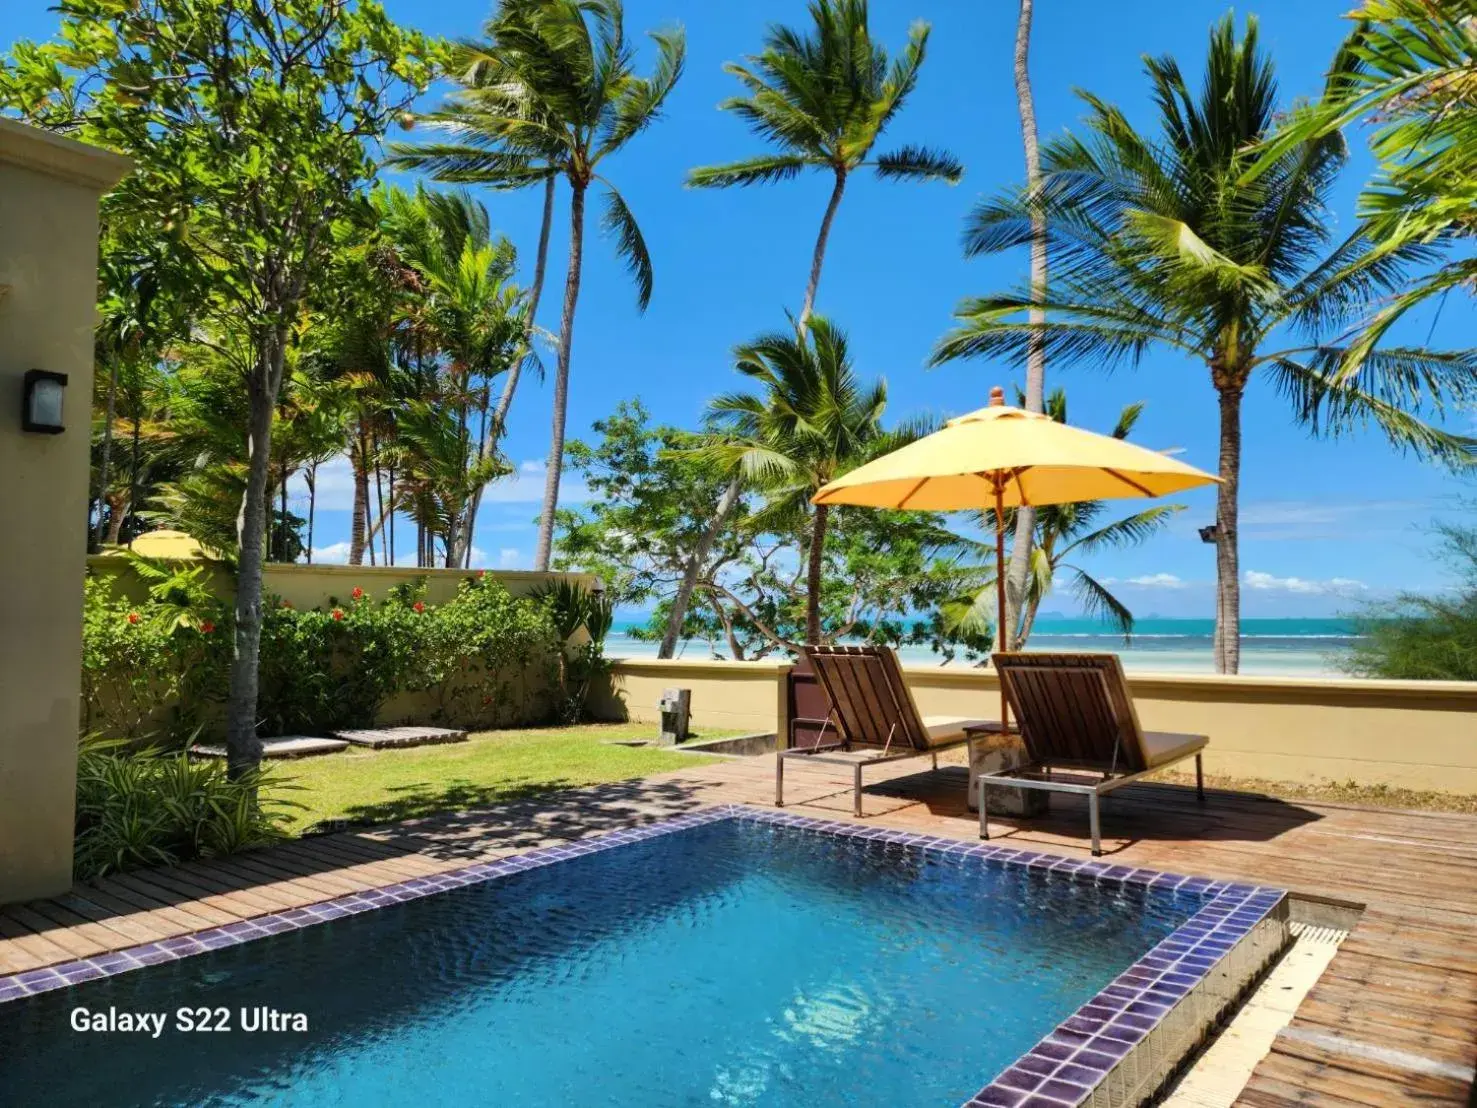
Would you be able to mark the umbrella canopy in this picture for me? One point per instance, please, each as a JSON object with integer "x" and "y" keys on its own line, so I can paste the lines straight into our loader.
{"x": 1001, "y": 457}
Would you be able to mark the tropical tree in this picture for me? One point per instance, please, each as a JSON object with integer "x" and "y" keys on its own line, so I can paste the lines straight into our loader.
{"x": 824, "y": 100}
{"x": 1160, "y": 241}
{"x": 1063, "y": 534}
{"x": 249, "y": 124}
{"x": 810, "y": 420}
{"x": 560, "y": 95}
{"x": 1025, "y": 525}
{"x": 1411, "y": 67}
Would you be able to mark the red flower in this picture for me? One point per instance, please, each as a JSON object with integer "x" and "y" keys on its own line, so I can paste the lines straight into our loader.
{"x": 419, "y": 606}
{"x": 358, "y": 593}
{"x": 486, "y": 700}
{"x": 287, "y": 604}
{"x": 337, "y": 613}
{"x": 132, "y": 617}
{"x": 481, "y": 573}
{"x": 207, "y": 627}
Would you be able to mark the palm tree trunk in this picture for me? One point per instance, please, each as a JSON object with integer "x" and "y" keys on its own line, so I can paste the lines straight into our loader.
{"x": 695, "y": 562}
{"x": 243, "y": 750}
{"x": 561, "y": 378}
{"x": 813, "y": 576}
{"x": 1227, "y": 557}
{"x": 819, "y": 257}
{"x": 500, "y": 414}
{"x": 1025, "y": 520}
{"x": 117, "y": 512}
{"x": 359, "y": 521}
{"x": 312, "y": 478}
{"x": 105, "y": 461}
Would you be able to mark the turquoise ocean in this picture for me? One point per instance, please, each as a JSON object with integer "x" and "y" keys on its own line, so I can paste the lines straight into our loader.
{"x": 1269, "y": 647}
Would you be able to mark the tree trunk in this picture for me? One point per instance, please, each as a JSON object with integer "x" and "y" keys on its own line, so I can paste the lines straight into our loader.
{"x": 359, "y": 521}
{"x": 312, "y": 478}
{"x": 117, "y": 512}
{"x": 1227, "y": 557}
{"x": 243, "y": 749}
{"x": 535, "y": 293}
{"x": 1025, "y": 520}
{"x": 813, "y": 576}
{"x": 110, "y": 408}
{"x": 561, "y": 378}
{"x": 694, "y": 565}
{"x": 819, "y": 257}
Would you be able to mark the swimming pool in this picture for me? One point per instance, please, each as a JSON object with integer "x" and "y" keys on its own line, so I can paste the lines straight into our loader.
{"x": 732, "y": 957}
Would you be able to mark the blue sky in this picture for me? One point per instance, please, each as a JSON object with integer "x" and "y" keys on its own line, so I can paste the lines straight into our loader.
{"x": 1323, "y": 522}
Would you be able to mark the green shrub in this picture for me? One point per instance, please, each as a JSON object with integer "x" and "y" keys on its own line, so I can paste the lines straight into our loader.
{"x": 485, "y": 657}
{"x": 574, "y": 608}
{"x": 155, "y": 807}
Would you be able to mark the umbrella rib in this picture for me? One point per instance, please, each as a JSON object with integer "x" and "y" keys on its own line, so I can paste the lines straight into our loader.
{"x": 903, "y": 503}
{"x": 1127, "y": 481}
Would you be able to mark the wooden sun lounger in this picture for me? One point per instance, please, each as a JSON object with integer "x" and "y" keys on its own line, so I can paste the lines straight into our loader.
{"x": 1074, "y": 712}
{"x": 873, "y": 716}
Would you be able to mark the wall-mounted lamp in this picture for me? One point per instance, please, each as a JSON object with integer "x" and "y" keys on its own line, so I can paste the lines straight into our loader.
{"x": 41, "y": 409}
{"x": 1209, "y": 534}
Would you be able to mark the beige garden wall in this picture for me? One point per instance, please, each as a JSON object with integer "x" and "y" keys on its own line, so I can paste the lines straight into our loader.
{"x": 1410, "y": 734}
{"x": 305, "y": 586}
{"x": 49, "y": 189}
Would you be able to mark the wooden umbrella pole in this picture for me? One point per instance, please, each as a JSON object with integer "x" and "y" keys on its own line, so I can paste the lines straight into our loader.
{"x": 1000, "y": 631}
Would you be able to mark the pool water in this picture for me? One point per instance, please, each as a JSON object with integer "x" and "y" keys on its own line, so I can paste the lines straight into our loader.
{"x": 731, "y": 963}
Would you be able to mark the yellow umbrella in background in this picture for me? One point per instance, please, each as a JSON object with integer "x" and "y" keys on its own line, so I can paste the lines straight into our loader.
{"x": 1001, "y": 457}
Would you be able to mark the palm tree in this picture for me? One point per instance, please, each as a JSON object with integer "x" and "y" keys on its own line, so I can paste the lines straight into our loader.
{"x": 1025, "y": 526}
{"x": 566, "y": 98}
{"x": 810, "y": 421}
{"x": 1063, "y": 533}
{"x": 824, "y": 100}
{"x": 1410, "y": 65}
{"x": 1161, "y": 242}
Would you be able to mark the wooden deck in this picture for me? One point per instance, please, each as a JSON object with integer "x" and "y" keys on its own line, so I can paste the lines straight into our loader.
{"x": 1392, "y": 1022}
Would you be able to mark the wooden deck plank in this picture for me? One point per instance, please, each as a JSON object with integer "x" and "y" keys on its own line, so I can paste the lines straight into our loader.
{"x": 1392, "y": 1022}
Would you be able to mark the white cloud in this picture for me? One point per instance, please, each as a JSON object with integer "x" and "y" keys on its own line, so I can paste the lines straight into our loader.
{"x": 334, "y": 554}
{"x": 524, "y": 486}
{"x": 1158, "y": 581}
{"x": 1302, "y": 586}
{"x": 509, "y": 557}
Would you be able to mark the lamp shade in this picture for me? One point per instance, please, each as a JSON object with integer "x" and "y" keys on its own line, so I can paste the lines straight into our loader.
{"x": 43, "y": 401}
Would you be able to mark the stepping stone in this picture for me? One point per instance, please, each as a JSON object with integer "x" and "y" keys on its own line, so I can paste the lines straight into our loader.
{"x": 378, "y": 738}
{"x": 283, "y": 746}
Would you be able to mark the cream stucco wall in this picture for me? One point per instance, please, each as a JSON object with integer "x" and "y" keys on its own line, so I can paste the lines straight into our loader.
{"x": 1410, "y": 734}
{"x": 49, "y": 188}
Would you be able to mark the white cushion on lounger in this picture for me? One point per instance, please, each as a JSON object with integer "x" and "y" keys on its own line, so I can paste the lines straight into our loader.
{"x": 1163, "y": 747}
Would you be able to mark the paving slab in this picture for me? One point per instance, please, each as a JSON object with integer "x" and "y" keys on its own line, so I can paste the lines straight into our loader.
{"x": 282, "y": 746}
{"x": 379, "y": 738}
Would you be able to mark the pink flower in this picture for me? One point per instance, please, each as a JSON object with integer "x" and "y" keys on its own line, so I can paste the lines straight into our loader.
{"x": 337, "y": 614}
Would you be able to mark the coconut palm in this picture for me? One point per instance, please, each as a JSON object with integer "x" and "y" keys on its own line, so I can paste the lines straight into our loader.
{"x": 1160, "y": 242}
{"x": 810, "y": 420}
{"x": 1062, "y": 534}
{"x": 1411, "y": 65}
{"x": 562, "y": 96}
{"x": 1025, "y": 525}
{"x": 823, "y": 100}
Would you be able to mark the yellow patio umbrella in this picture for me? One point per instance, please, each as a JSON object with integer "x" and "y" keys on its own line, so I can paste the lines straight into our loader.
{"x": 1001, "y": 457}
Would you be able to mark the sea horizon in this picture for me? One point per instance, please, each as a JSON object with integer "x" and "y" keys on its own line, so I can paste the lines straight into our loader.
{"x": 1310, "y": 647}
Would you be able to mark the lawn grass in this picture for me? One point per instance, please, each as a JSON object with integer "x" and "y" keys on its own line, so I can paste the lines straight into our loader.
{"x": 380, "y": 786}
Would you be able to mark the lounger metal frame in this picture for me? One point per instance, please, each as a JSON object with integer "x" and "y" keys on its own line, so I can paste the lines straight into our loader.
{"x": 1019, "y": 777}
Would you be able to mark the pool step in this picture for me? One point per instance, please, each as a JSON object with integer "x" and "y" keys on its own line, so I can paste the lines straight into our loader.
{"x": 282, "y": 746}
{"x": 379, "y": 738}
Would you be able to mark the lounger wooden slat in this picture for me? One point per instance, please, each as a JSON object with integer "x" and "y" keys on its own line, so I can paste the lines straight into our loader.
{"x": 872, "y": 716}
{"x": 1074, "y": 712}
